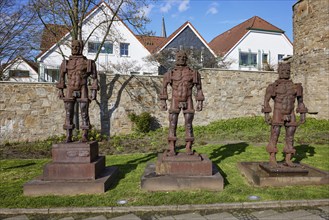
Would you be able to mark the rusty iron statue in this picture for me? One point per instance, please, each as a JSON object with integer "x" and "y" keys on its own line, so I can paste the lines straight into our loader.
{"x": 182, "y": 79}
{"x": 74, "y": 74}
{"x": 284, "y": 93}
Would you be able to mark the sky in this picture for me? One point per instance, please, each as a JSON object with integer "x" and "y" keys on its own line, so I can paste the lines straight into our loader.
{"x": 213, "y": 17}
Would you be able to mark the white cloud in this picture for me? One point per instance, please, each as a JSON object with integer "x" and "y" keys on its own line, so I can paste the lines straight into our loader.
{"x": 146, "y": 10}
{"x": 212, "y": 11}
{"x": 184, "y": 5}
{"x": 166, "y": 7}
{"x": 213, "y": 8}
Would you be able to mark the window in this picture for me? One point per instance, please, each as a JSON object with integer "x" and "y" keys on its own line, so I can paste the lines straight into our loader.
{"x": 264, "y": 58}
{"x": 52, "y": 75}
{"x": 19, "y": 73}
{"x": 107, "y": 47}
{"x": 248, "y": 59}
{"x": 280, "y": 56}
{"x": 124, "y": 49}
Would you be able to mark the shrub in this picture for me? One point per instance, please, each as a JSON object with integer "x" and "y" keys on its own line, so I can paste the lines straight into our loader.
{"x": 142, "y": 122}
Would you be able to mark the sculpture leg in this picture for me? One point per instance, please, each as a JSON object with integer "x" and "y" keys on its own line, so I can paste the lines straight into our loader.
{"x": 289, "y": 149}
{"x": 85, "y": 126}
{"x": 172, "y": 138}
{"x": 189, "y": 137}
{"x": 271, "y": 147}
{"x": 69, "y": 112}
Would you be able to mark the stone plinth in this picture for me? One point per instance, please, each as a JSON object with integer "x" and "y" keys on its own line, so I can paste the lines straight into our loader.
{"x": 76, "y": 168}
{"x": 183, "y": 164}
{"x": 181, "y": 172}
{"x": 262, "y": 175}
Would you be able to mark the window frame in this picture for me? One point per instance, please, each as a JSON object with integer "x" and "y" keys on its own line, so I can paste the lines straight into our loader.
{"x": 250, "y": 61}
{"x": 96, "y": 45}
{"x": 124, "y": 52}
{"x": 19, "y": 73}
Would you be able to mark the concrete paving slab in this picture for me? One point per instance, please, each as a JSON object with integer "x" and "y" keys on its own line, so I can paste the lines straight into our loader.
{"x": 99, "y": 217}
{"x": 126, "y": 217}
{"x": 189, "y": 216}
{"x": 223, "y": 216}
{"x": 301, "y": 215}
{"x": 164, "y": 218}
{"x": 19, "y": 217}
{"x": 324, "y": 208}
{"x": 67, "y": 218}
{"x": 265, "y": 213}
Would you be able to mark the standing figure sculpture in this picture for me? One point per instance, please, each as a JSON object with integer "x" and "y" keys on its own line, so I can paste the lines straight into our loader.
{"x": 74, "y": 75}
{"x": 284, "y": 93}
{"x": 182, "y": 79}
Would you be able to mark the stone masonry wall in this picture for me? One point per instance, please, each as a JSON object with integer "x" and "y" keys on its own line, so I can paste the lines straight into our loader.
{"x": 311, "y": 52}
{"x": 32, "y": 111}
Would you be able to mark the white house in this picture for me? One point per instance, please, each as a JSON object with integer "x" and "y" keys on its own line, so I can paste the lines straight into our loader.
{"x": 21, "y": 70}
{"x": 252, "y": 45}
{"x": 122, "y": 52}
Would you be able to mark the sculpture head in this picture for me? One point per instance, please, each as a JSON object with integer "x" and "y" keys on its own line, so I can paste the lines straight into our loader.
{"x": 181, "y": 58}
{"x": 284, "y": 70}
{"x": 76, "y": 47}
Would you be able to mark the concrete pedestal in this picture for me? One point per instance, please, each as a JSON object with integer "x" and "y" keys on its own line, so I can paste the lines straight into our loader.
{"x": 75, "y": 169}
{"x": 182, "y": 172}
{"x": 261, "y": 174}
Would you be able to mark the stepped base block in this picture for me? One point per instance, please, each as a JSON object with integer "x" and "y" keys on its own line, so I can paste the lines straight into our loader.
{"x": 262, "y": 175}
{"x": 183, "y": 164}
{"x": 150, "y": 181}
{"x": 39, "y": 187}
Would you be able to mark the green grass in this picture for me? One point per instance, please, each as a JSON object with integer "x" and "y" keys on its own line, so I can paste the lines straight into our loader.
{"x": 14, "y": 173}
{"x": 226, "y": 142}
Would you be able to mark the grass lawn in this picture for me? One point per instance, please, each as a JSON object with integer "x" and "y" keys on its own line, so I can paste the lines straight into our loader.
{"x": 14, "y": 173}
{"x": 216, "y": 140}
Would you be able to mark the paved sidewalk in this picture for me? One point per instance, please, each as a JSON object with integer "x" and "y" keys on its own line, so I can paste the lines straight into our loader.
{"x": 290, "y": 210}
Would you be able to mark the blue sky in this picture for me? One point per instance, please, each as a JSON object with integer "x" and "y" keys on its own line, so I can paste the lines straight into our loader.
{"x": 213, "y": 17}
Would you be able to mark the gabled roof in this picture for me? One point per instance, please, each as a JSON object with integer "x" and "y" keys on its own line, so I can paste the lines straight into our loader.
{"x": 151, "y": 42}
{"x": 155, "y": 44}
{"x": 179, "y": 30}
{"x": 225, "y": 41}
{"x": 51, "y": 34}
{"x": 32, "y": 64}
{"x": 63, "y": 31}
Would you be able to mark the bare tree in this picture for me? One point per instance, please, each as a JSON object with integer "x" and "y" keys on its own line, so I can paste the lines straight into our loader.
{"x": 71, "y": 14}
{"x": 17, "y": 30}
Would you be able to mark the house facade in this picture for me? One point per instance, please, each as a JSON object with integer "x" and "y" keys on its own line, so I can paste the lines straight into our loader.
{"x": 21, "y": 70}
{"x": 122, "y": 52}
{"x": 186, "y": 37}
{"x": 252, "y": 45}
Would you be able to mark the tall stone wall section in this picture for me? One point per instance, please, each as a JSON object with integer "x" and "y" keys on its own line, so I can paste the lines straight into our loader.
{"x": 32, "y": 111}
{"x": 311, "y": 52}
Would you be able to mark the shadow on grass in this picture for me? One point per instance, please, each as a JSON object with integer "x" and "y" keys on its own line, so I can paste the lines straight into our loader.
{"x": 19, "y": 166}
{"x": 130, "y": 166}
{"x": 226, "y": 151}
{"x": 302, "y": 152}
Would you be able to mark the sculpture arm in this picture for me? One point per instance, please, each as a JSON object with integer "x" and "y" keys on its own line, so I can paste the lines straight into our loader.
{"x": 199, "y": 95}
{"x": 61, "y": 84}
{"x": 93, "y": 73}
{"x": 266, "y": 107}
{"x": 301, "y": 108}
{"x": 164, "y": 92}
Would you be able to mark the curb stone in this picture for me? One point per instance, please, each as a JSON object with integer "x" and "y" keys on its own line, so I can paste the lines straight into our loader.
{"x": 123, "y": 209}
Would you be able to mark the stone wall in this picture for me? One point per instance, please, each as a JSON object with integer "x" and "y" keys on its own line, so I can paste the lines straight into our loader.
{"x": 31, "y": 111}
{"x": 311, "y": 52}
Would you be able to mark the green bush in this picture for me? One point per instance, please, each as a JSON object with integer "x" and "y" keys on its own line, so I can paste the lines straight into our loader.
{"x": 142, "y": 122}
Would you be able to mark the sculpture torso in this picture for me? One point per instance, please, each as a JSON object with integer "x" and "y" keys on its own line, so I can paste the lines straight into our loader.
{"x": 182, "y": 83}
{"x": 77, "y": 72}
{"x": 285, "y": 95}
